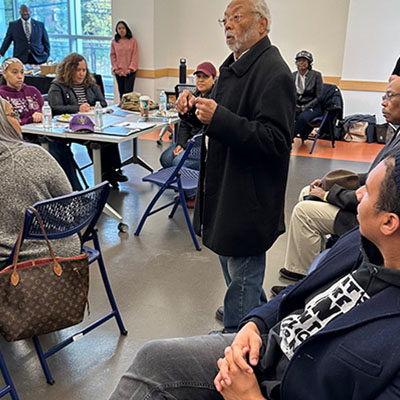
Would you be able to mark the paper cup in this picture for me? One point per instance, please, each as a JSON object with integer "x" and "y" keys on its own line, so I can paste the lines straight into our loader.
{"x": 144, "y": 106}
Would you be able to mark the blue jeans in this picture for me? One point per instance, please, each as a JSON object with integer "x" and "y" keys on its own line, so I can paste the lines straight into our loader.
{"x": 167, "y": 159}
{"x": 174, "y": 369}
{"x": 244, "y": 277}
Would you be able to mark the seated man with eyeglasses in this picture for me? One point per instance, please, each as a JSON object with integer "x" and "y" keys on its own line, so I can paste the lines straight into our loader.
{"x": 335, "y": 214}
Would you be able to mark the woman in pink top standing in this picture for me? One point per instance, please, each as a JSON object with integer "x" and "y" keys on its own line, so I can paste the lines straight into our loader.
{"x": 124, "y": 57}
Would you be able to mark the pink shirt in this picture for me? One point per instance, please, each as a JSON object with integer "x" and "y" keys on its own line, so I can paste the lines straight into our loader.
{"x": 124, "y": 54}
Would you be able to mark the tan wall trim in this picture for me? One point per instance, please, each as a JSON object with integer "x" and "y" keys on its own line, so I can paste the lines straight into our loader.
{"x": 333, "y": 80}
{"x": 160, "y": 73}
{"x": 363, "y": 86}
{"x": 343, "y": 84}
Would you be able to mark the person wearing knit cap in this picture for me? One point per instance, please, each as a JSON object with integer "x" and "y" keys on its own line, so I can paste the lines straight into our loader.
{"x": 332, "y": 336}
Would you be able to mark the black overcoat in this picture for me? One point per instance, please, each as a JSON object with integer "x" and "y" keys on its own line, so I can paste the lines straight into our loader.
{"x": 240, "y": 203}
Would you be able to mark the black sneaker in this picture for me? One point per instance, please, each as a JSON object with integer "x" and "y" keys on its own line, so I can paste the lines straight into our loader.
{"x": 120, "y": 175}
{"x": 117, "y": 176}
{"x": 292, "y": 276}
{"x": 275, "y": 290}
{"x": 219, "y": 314}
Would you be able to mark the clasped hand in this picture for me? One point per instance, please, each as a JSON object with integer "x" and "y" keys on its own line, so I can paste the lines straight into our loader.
{"x": 205, "y": 108}
{"x": 236, "y": 379}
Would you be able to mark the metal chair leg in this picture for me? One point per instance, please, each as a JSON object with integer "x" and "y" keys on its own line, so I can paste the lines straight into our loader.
{"x": 9, "y": 388}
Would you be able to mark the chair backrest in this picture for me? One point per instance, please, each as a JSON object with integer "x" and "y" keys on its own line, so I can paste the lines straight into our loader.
{"x": 331, "y": 99}
{"x": 195, "y": 151}
{"x": 67, "y": 215}
{"x": 180, "y": 87}
{"x": 99, "y": 82}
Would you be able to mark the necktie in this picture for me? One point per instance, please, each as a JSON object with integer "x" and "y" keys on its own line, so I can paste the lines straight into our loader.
{"x": 27, "y": 30}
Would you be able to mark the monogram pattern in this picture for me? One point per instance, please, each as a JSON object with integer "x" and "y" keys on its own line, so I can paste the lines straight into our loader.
{"x": 43, "y": 302}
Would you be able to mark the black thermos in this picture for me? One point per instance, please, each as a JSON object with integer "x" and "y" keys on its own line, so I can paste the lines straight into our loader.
{"x": 182, "y": 70}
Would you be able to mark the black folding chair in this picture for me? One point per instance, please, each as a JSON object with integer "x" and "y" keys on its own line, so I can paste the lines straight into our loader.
{"x": 64, "y": 216}
{"x": 332, "y": 106}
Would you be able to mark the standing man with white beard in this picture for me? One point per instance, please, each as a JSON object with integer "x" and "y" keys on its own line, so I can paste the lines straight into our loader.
{"x": 248, "y": 125}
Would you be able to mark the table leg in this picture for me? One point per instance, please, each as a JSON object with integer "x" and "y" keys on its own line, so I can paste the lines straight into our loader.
{"x": 97, "y": 179}
{"x": 135, "y": 159}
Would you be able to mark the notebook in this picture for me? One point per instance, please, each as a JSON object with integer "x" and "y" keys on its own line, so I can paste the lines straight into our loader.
{"x": 126, "y": 128}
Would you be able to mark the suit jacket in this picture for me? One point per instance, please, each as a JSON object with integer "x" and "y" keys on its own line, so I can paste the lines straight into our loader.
{"x": 356, "y": 356}
{"x": 38, "y": 46}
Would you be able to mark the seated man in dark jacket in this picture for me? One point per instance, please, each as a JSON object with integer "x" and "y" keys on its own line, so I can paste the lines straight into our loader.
{"x": 311, "y": 220}
{"x": 334, "y": 335}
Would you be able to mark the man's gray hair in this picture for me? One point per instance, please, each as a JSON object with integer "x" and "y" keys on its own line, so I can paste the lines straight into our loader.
{"x": 262, "y": 8}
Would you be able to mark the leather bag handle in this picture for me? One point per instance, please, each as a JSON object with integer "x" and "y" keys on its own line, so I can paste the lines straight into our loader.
{"x": 56, "y": 265}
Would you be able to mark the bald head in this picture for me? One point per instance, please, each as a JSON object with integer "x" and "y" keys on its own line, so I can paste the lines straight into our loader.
{"x": 25, "y": 12}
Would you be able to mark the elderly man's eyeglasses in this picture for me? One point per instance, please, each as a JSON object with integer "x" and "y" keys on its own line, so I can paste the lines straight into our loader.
{"x": 388, "y": 96}
{"x": 236, "y": 18}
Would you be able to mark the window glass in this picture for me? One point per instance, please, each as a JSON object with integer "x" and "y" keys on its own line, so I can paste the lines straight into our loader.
{"x": 59, "y": 48}
{"x": 96, "y": 17}
{"x": 97, "y": 54}
{"x": 53, "y": 13}
{"x": 83, "y": 26}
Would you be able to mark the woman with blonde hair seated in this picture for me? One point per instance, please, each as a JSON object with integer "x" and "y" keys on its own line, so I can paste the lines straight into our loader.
{"x": 75, "y": 91}
{"x": 28, "y": 174}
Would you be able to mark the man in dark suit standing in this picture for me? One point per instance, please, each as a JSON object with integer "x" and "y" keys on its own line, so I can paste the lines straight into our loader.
{"x": 31, "y": 42}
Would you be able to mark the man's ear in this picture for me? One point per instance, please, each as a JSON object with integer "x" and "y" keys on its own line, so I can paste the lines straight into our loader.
{"x": 262, "y": 27}
{"x": 391, "y": 224}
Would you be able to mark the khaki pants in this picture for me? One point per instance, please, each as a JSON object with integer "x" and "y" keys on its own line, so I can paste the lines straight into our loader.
{"x": 310, "y": 222}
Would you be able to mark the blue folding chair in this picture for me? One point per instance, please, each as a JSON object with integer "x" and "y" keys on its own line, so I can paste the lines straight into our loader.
{"x": 9, "y": 388}
{"x": 62, "y": 217}
{"x": 180, "y": 179}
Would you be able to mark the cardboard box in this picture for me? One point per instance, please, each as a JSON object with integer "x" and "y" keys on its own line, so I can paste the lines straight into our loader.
{"x": 48, "y": 69}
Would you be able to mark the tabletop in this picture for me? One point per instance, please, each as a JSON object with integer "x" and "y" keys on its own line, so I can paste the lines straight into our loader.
{"x": 118, "y": 126}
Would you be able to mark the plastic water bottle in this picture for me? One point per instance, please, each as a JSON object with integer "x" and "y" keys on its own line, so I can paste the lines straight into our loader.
{"x": 47, "y": 117}
{"x": 98, "y": 116}
{"x": 162, "y": 104}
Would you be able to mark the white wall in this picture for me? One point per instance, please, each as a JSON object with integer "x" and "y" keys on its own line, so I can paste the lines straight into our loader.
{"x": 318, "y": 26}
{"x": 167, "y": 30}
{"x": 371, "y": 51}
{"x": 352, "y": 39}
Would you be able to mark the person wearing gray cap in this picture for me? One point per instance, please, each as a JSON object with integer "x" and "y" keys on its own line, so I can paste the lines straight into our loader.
{"x": 308, "y": 88}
